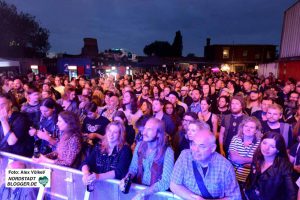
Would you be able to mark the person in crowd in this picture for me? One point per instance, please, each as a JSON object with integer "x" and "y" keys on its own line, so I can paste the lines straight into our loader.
{"x": 139, "y": 125}
{"x": 138, "y": 87}
{"x": 144, "y": 96}
{"x": 146, "y": 108}
{"x": 158, "y": 107}
{"x": 170, "y": 111}
{"x": 68, "y": 101}
{"x": 202, "y": 173}
{"x": 195, "y": 106}
{"x": 107, "y": 95}
{"x": 242, "y": 148}
{"x": 261, "y": 115}
{"x": 283, "y": 95}
{"x": 14, "y": 127}
{"x": 47, "y": 135}
{"x": 271, "y": 171}
{"x": 274, "y": 114}
{"x": 69, "y": 146}
{"x": 93, "y": 125}
{"x": 230, "y": 123}
{"x": 152, "y": 161}
{"x": 129, "y": 130}
{"x": 185, "y": 97}
{"x": 290, "y": 106}
{"x": 111, "y": 107}
{"x": 207, "y": 116}
{"x": 130, "y": 107}
{"x": 84, "y": 98}
{"x": 178, "y": 109}
{"x": 32, "y": 107}
{"x": 155, "y": 92}
{"x": 111, "y": 160}
{"x": 17, "y": 193}
{"x": 253, "y": 102}
{"x": 17, "y": 93}
{"x": 58, "y": 85}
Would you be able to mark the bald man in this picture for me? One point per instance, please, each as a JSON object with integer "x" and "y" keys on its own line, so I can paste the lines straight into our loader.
{"x": 201, "y": 173}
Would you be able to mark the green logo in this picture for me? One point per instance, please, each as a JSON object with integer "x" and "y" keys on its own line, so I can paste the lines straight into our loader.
{"x": 43, "y": 180}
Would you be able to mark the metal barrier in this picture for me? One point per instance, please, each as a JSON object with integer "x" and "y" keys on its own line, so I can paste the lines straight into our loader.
{"x": 66, "y": 183}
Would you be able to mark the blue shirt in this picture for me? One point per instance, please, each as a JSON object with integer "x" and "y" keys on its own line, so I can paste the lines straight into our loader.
{"x": 219, "y": 179}
{"x": 195, "y": 107}
{"x": 164, "y": 183}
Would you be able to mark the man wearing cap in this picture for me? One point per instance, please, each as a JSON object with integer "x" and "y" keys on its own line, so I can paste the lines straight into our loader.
{"x": 178, "y": 109}
{"x": 185, "y": 97}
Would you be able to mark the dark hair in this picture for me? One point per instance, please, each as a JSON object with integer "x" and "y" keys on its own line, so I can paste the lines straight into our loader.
{"x": 267, "y": 98}
{"x": 281, "y": 155}
{"x": 32, "y": 90}
{"x": 227, "y": 99}
{"x": 90, "y": 107}
{"x": 133, "y": 102}
{"x": 142, "y": 121}
{"x": 72, "y": 120}
{"x": 49, "y": 103}
{"x": 207, "y": 99}
{"x": 122, "y": 115}
{"x": 191, "y": 114}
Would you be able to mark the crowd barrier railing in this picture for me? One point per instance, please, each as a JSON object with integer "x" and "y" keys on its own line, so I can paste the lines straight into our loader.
{"x": 66, "y": 183}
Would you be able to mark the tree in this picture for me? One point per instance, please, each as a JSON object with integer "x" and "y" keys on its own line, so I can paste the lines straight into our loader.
{"x": 159, "y": 48}
{"x": 21, "y": 34}
{"x": 191, "y": 55}
{"x": 177, "y": 45}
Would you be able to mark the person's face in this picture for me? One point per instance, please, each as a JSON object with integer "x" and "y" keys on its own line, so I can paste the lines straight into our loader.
{"x": 156, "y": 106}
{"x": 113, "y": 134}
{"x": 144, "y": 107}
{"x": 186, "y": 122}
{"x": 222, "y": 103}
{"x": 155, "y": 90}
{"x": 247, "y": 86}
{"x": 150, "y": 132}
{"x": 183, "y": 92}
{"x": 81, "y": 82}
{"x": 196, "y": 95}
{"x": 235, "y": 106}
{"x": 273, "y": 115}
{"x": 166, "y": 91}
{"x": 172, "y": 99}
{"x": 249, "y": 129}
{"x": 265, "y": 104}
{"x": 34, "y": 97}
{"x": 61, "y": 124}
{"x": 17, "y": 84}
{"x": 254, "y": 96}
{"x": 138, "y": 84}
{"x": 57, "y": 81}
{"x": 201, "y": 149}
{"x": 126, "y": 98}
{"x": 10, "y": 84}
{"x": 92, "y": 115}
{"x": 192, "y": 131}
{"x": 268, "y": 147}
{"x": 205, "y": 89}
{"x": 204, "y": 105}
{"x": 145, "y": 91}
{"x": 72, "y": 95}
{"x": 169, "y": 109}
{"x": 294, "y": 97}
{"x": 5, "y": 104}
{"x": 287, "y": 89}
{"x": 45, "y": 94}
{"x": 46, "y": 87}
{"x": 119, "y": 119}
{"x": 113, "y": 102}
{"x": 46, "y": 112}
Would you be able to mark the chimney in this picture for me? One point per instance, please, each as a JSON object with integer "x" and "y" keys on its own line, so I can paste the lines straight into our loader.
{"x": 207, "y": 41}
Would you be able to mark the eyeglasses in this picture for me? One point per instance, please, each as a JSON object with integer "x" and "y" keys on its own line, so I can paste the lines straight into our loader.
{"x": 187, "y": 120}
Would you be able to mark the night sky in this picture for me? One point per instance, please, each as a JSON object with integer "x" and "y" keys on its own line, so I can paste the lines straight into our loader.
{"x": 132, "y": 24}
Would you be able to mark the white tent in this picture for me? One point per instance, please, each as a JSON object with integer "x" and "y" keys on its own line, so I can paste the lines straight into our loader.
{"x": 9, "y": 63}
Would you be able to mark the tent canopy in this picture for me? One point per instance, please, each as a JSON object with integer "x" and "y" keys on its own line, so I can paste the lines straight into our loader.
{"x": 9, "y": 63}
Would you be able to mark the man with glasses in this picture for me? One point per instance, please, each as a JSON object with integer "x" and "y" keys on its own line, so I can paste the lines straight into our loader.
{"x": 138, "y": 87}
{"x": 202, "y": 173}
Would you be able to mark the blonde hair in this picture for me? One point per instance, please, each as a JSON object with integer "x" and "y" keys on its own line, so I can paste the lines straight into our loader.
{"x": 258, "y": 133}
{"x": 121, "y": 140}
{"x": 276, "y": 106}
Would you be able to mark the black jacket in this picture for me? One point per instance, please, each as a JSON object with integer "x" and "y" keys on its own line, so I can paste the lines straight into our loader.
{"x": 274, "y": 183}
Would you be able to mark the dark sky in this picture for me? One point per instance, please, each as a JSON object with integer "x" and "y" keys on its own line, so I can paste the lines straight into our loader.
{"x": 131, "y": 24}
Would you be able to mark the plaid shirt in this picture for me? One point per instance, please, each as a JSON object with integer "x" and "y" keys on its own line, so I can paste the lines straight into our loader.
{"x": 219, "y": 180}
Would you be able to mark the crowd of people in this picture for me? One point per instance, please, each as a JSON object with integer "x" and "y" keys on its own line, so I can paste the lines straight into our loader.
{"x": 199, "y": 133}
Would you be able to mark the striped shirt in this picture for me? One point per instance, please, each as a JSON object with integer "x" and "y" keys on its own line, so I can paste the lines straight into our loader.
{"x": 237, "y": 145}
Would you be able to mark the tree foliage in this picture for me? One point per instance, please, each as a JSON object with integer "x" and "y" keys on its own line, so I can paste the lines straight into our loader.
{"x": 164, "y": 48}
{"x": 21, "y": 34}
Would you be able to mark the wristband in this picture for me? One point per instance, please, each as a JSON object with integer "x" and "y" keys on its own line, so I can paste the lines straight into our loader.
{"x": 8, "y": 133}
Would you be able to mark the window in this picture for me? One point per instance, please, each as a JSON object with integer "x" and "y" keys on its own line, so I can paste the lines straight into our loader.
{"x": 268, "y": 55}
{"x": 225, "y": 53}
{"x": 257, "y": 56}
{"x": 245, "y": 53}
